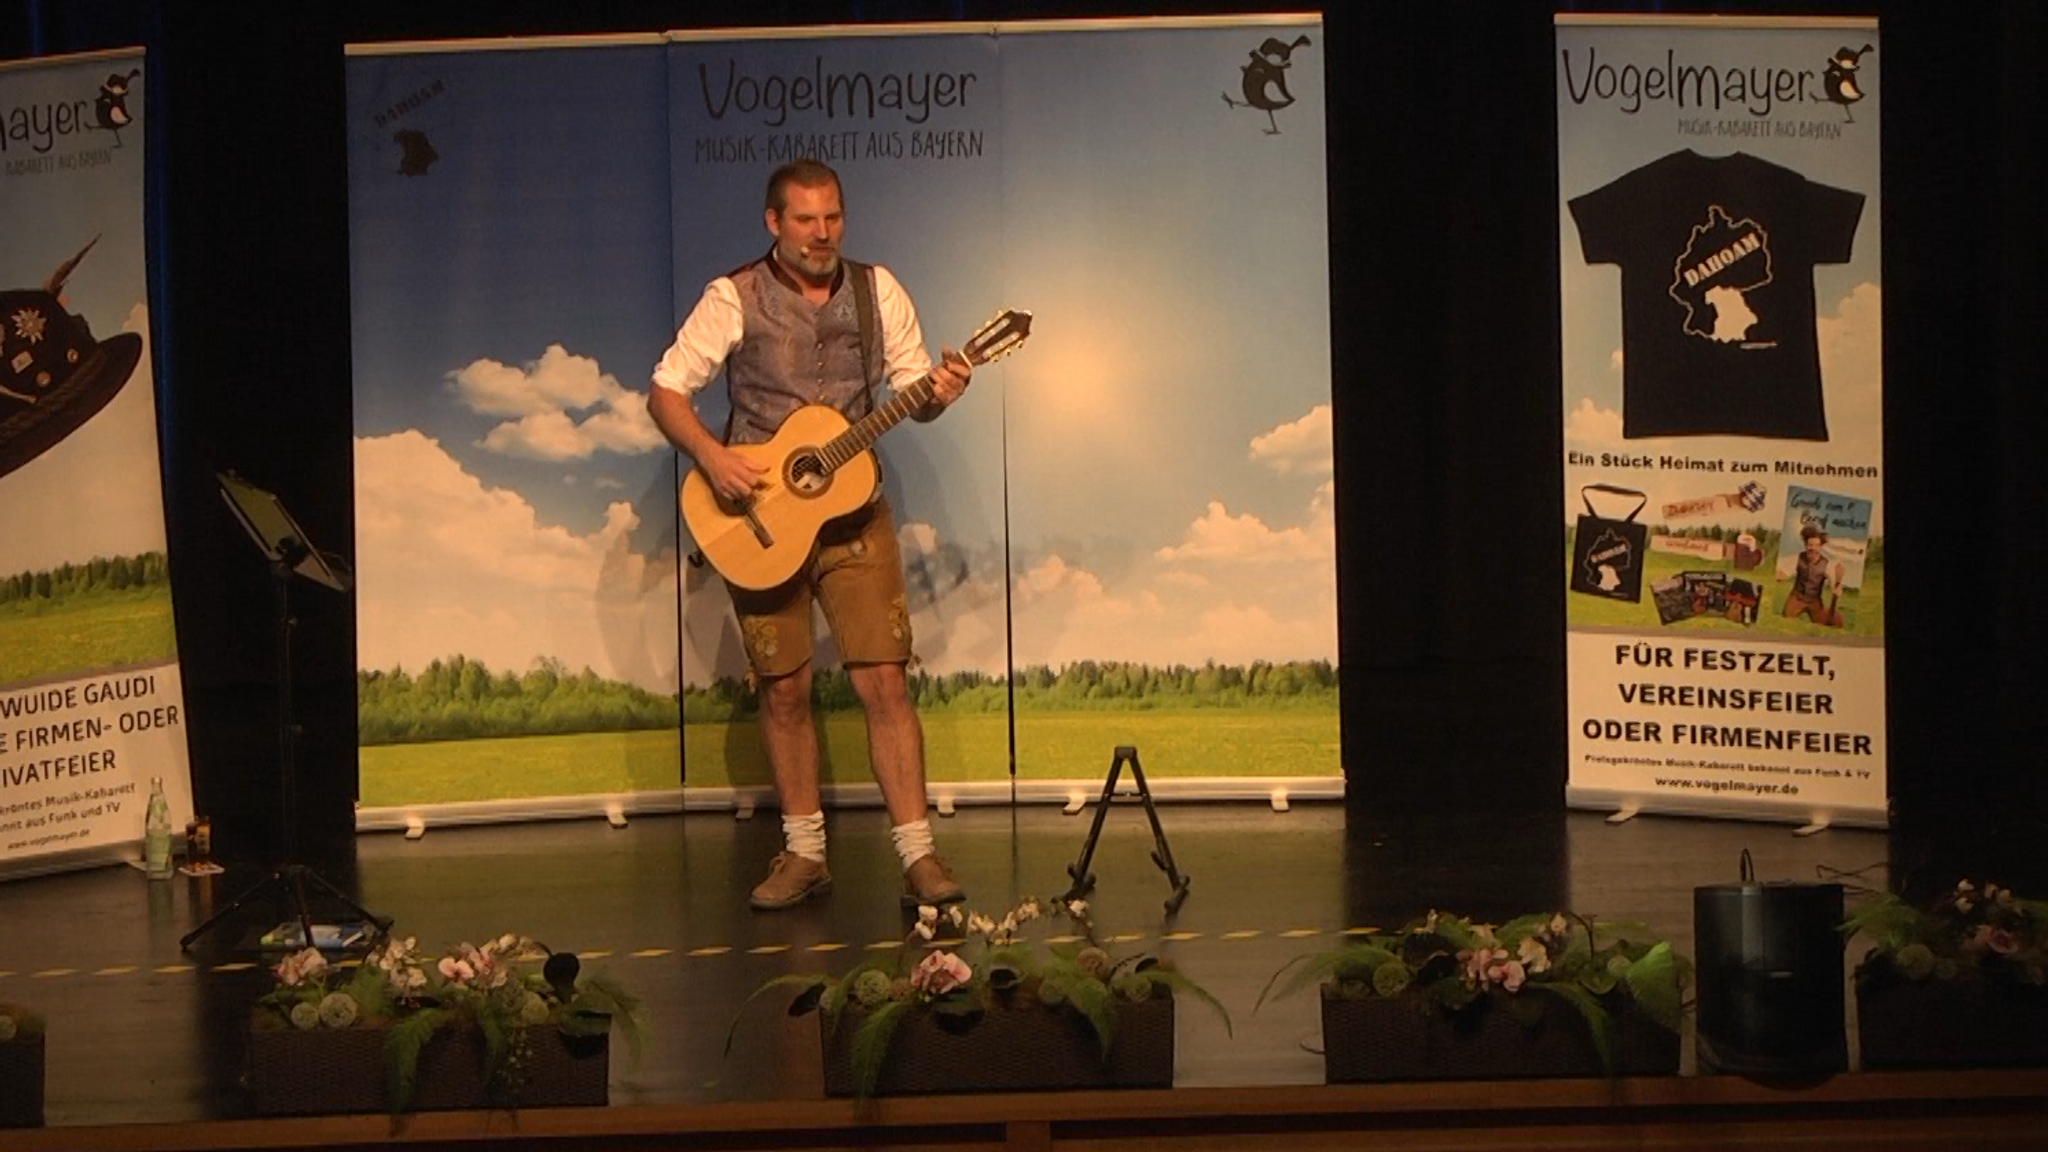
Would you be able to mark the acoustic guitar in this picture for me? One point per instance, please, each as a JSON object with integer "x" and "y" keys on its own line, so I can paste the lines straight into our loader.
{"x": 819, "y": 467}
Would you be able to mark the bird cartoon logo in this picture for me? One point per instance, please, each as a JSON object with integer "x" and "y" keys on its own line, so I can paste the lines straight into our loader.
{"x": 417, "y": 154}
{"x": 110, "y": 107}
{"x": 1840, "y": 78}
{"x": 1265, "y": 79}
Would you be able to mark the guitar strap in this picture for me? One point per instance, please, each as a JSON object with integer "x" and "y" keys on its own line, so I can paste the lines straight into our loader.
{"x": 870, "y": 324}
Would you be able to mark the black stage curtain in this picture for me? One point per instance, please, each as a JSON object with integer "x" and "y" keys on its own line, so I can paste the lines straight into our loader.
{"x": 1444, "y": 290}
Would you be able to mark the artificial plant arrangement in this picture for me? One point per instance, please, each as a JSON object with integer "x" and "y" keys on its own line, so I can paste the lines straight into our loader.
{"x": 503, "y": 991}
{"x": 988, "y": 974}
{"x": 18, "y": 1024}
{"x": 1527, "y": 968}
{"x": 21, "y": 1067}
{"x": 1968, "y": 934}
{"x": 1960, "y": 982}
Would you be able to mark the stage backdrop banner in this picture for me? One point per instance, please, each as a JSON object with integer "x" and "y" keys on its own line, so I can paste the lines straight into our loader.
{"x": 1172, "y": 501}
{"x": 1722, "y": 342}
{"x": 91, "y": 701}
{"x": 1155, "y": 460}
{"x": 515, "y": 505}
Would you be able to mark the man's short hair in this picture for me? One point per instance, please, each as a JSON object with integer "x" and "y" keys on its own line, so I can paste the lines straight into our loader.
{"x": 806, "y": 172}
{"x": 1809, "y": 532}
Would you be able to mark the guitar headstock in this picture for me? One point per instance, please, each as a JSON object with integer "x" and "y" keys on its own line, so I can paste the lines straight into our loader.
{"x": 999, "y": 337}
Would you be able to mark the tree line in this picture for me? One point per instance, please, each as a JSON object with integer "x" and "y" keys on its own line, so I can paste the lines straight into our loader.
{"x": 1085, "y": 685}
{"x": 99, "y": 575}
{"x": 461, "y": 699}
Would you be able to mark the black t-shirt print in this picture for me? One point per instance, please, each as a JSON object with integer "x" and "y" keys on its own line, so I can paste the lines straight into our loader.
{"x": 1717, "y": 308}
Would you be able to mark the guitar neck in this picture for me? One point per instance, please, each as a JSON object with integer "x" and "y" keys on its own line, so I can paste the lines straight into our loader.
{"x": 869, "y": 428}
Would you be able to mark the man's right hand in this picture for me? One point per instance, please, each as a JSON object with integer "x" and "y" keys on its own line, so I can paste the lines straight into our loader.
{"x": 733, "y": 476}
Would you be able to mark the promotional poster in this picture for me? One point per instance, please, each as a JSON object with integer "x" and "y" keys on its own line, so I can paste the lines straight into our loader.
{"x": 91, "y": 702}
{"x": 1719, "y": 251}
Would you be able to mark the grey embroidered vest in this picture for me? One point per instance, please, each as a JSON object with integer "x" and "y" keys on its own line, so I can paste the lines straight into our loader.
{"x": 792, "y": 353}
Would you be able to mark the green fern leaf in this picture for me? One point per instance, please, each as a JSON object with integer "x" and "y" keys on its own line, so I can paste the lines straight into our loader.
{"x": 402, "y": 1053}
{"x": 871, "y": 1045}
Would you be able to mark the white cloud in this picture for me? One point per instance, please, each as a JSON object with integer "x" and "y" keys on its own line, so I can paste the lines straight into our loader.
{"x": 545, "y": 397}
{"x": 1852, "y": 367}
{"x": 97, "y": 492}
{"x": 1614, "y": 361}
{"x": 1220, "y": 537}
{"x": 446, "y": 564}
{"x": 1591, "y": 424}
{"x": 607, "y": 484}
{"x": 1302, "y": 446}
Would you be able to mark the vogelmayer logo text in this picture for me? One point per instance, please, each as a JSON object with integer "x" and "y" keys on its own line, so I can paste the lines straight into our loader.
{"x": 1631, "y": 86}
{"x": 857, "y": 95}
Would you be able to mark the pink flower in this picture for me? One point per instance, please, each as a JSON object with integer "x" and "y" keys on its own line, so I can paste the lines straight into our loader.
{"x": 2002, "y": 942}
{"x": 1479, "y": 964}
{"x": 940, "y": 973}
{"x": 1509, "y": 975}
{"x": 456, "y": 970}
{"x": 296, "y": 968}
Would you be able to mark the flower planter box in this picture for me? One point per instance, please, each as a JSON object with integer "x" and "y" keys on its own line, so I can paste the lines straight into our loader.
{"x": 1022, "y": 1049}
{"x": 21, "y": 1082}
{"x": 1951, "y": 1024}
{"x": 324, "y": 1071}
{"x": 1374, "y": 1039}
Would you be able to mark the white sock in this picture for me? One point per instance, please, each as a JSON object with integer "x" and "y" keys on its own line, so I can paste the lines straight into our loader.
{"x": 805, "y": 835}
{"x": 913, "y": 841}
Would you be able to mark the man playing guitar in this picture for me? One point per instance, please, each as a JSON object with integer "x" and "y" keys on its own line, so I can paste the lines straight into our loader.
{"x": 801, "y": 326}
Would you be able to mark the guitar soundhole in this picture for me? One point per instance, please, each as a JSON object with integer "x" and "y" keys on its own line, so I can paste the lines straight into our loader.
{"x": 806, "y": 474}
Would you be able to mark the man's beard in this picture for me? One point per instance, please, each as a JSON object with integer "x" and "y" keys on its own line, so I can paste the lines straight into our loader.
{"x": 817, "y": 263}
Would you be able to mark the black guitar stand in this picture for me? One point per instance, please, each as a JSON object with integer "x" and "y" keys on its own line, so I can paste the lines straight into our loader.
{"x": 1084, "y": 880}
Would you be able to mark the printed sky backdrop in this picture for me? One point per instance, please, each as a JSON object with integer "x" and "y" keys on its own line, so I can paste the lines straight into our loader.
{"x": 514, "y": 500}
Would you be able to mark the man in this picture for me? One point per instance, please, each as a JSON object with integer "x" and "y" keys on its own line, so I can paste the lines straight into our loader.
{"x": 788, "y": 331}
{"x": 1810, "y": 578}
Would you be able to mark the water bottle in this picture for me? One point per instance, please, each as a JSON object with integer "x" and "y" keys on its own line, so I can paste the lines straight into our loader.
{"x": 156, "y": 833}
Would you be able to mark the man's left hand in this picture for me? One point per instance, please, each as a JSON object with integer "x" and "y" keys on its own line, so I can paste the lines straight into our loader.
{"x": 950, "y": 377}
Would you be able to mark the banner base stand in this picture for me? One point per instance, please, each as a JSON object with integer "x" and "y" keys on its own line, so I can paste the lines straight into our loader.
{"x": 1808, "y": 821}
{"x": 1625, "y": 815}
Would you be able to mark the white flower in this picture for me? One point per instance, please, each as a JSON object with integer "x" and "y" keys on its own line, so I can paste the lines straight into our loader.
{"x": 1077, "y": 908}
{"x": 338, "y": 1010}
{"x": 1557, "y": 925}
{"x": 956, "y": 914}
{"x": 1533, "y": 955}
{"x": 980, "y": 925}
{"x": 1027, "y": 912}
{"x": 925, "y": 930}
{"x": 8, "y": 1028}
{"x": 1009, "y": 925}
{"x": 305, "y": 1017}
{"x": 927, "y": 915}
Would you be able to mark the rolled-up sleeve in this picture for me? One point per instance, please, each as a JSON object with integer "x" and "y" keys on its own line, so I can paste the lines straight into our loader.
{"x": 707, "y": 337}
{"x": 904, "y": 357}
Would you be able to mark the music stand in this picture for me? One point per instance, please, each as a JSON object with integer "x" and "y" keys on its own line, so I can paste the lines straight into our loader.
{"x": 285, "y": 545}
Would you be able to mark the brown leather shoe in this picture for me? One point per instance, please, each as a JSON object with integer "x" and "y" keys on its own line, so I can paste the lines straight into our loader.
{"x": 791, "y": 879}
{"x": 929, "y": 881}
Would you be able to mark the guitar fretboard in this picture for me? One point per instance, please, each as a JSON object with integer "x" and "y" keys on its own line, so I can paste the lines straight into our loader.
{"x": 869, "y": 428}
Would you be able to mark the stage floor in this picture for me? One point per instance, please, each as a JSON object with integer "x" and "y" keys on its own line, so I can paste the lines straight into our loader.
{"x": 142, "y": 1032}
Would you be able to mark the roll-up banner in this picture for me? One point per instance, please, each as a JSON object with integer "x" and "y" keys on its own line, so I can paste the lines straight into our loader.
{"x": 91, "y": 701}
{"x": 1154, "y": 462}
{"x": 1722, "y": 344}
{"x": 515, "y": 505}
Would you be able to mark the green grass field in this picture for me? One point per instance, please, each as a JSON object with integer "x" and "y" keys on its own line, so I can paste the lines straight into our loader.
{"x": 108, "y": 630}
{"x": 958, "y": 746}
{"x": 1864, "y": 609}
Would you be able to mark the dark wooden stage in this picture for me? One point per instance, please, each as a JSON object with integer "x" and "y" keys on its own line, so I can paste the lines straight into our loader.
{"x": 146, "y": 1043}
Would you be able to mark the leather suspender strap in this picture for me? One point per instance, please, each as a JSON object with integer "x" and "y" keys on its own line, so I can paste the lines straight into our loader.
{"x": 870, "y": 324}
